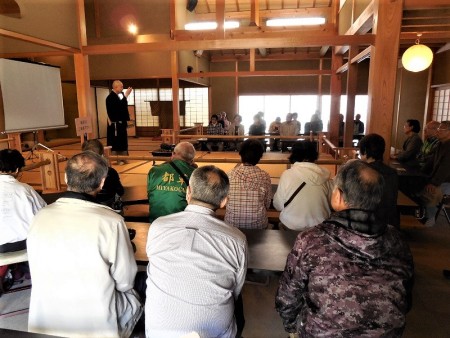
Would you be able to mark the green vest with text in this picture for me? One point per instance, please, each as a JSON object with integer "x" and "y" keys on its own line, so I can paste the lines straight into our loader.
{"x": 166, "y": 189}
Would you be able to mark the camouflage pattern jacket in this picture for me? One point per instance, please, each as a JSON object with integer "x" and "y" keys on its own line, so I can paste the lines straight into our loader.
{"x": 347, "y": 277}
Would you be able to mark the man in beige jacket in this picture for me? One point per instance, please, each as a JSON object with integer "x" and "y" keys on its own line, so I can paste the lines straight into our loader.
{"x": 81, "y": 261}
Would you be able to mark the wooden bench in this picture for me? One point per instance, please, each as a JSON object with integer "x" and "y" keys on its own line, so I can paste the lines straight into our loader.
{"x": 140, "y": 240}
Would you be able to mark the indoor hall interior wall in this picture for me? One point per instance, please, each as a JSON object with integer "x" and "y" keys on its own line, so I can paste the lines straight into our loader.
{"x": 198, "y": 64}
{"x": 130, "y": 66}
{"x": 411, "y": 94}
{"x": 441, "y": 69}
{"x": 39, "y": 19}
{"x": 223, "y": 91}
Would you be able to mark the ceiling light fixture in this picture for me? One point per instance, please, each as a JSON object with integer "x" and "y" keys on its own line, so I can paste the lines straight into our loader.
{"x": 132, "y": 29}
{"x": 417, "y": 57}
{"x": 208, "y": 25}
{"x": 295, "y": 22}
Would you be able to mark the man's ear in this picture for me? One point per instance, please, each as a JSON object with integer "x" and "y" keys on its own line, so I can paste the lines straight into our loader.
{"x": 65, "y": 178}
{"x": 224, "y": 202}
{"x": 337, "y": 200}
{"x": 101, "y": 183}
{"x": 188, "y": 193}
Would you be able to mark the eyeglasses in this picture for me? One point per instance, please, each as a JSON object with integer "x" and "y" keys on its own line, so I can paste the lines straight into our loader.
{"x": 442, "y": 129}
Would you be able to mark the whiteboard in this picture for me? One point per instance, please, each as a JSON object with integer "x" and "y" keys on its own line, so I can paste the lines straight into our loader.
{"x": 32, "y": 96}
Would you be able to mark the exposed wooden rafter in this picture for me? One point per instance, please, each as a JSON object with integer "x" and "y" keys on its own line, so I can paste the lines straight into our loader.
{"x": 37, "y": 41}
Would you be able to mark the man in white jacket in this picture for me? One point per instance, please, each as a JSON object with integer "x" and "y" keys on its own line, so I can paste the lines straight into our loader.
{"x": 304, "y": 190}
{"x": 81, "y": 261}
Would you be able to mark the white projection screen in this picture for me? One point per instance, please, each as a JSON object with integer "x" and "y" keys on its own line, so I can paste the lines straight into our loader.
{"x": 32, "y": 96}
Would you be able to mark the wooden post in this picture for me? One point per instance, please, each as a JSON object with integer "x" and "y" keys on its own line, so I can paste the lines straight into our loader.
{"x": 15, "y": 142}
{"x": 50, "y": 172}
{"x": 383, "y": 69}
{"x": 198, "y": 128}
{"x": 167, "y": 136}
{"x": 352, "y": 79}
{"x": 175, "y": 92}
{"x": 335, "y": 92}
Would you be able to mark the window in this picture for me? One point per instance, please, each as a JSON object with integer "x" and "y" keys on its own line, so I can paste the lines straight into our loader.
{"x": 441, "y": 104}
{"x": 196, "y": 105}
{"x": 305, "y": 105}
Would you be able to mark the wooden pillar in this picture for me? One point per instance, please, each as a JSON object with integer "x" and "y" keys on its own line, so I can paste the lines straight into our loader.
{"x": 383, "y": 68}
{"x": 335, "y": 92}
{"x": 352, "y": 78}
{"x": 82, "y": 79}
{"x": 50, "y": 178}
{"x": 175, "y": 94}
{"x": 236, "y": 87}
{"x": 15, "y": 141}
{"x": 220, "y": 18}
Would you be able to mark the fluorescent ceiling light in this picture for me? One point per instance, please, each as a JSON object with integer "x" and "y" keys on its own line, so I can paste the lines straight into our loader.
{"x": 208, "y": 25}
{"x": 295, "y": 22}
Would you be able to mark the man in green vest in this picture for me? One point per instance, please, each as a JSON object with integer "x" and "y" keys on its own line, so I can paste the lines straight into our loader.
{"x": 167, "y": 182}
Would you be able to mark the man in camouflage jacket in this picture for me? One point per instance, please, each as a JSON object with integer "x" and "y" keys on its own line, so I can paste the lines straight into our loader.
{"x": 350, "y": 276}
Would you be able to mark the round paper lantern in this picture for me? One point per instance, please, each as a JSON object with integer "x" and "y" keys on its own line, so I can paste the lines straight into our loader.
{"x": 417, "y": 58}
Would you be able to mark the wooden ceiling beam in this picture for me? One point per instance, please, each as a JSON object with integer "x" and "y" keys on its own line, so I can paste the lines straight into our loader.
{"x": 252, "y": 41}
{"x": 427, "y": 37}
{"x": 269, "y": 14}
{"x": 362, "y": 25}
{"x": 30, "y": 55}
{"x": 294, "y": 72}
{"x": 253, "y": 31}
{"x": 269, "y": 57}
{"x": 37, "y": 41}
{"x": 416, "y": 4}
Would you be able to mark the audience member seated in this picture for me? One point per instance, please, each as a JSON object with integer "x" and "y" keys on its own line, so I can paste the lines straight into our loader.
{"x": 250, "y": 190}
{"x": 236, "y": 129}
{"x": 315, "y": 125}
{"x": 223, "y": 120}
{"x": 81, "y": 261}
{"x": 304, "y": 190}
{"x": 112, "y": 188}
{"x": 167, "y": 182}
{"x": 438, "y": 169}
{"x": 263, "y": 122}
{"x": 215, "y": 128}
{"x": 430, "y": 143}
{"x": 297, "y": 123}
{"x": 274, "y": 129}
{"x": 371, "y": 149}
{"x": 258, "y": 129}
{"x": 19, "y": 203}
{"x": 288, "y": 128}
{"x": 412, "y": 145}
{"x": 350, "y": 276}
{"x": 197, "y": 266}
{"x": 358, "y": 127}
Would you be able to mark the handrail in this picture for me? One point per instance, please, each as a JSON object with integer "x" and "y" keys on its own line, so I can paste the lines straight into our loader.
{"x": 187, "y": 129}
{"x": 233, "y": 137}
{"x": 221, "y": 160}
{"x": 6, "y": 139}
{"x": 35, "y": 165}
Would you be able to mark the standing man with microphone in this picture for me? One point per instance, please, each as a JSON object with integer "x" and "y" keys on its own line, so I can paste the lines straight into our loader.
{"x": 117, "y": 109}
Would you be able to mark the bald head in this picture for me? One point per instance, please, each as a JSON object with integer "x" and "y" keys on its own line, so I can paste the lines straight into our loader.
{"x": 184, "y": 151}
{"x": 117, "y": 86}
{"x": 361, "y": 186}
